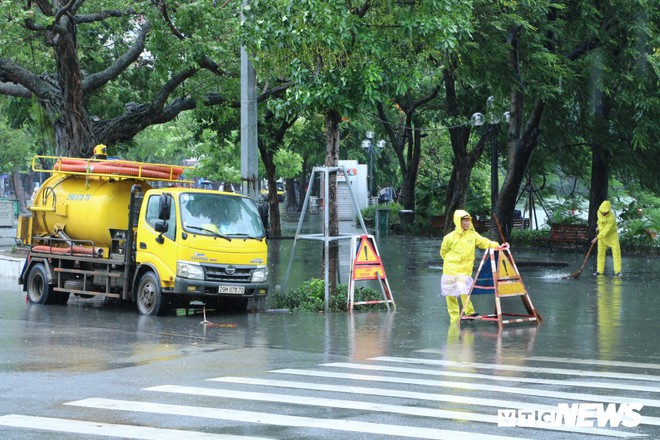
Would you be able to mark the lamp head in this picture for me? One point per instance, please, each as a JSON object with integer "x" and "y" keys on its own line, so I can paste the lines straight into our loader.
{"x": 477, "y": 120}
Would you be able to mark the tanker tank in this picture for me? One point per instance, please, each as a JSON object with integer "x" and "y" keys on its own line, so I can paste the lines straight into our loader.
{"x": 84, "y": 207}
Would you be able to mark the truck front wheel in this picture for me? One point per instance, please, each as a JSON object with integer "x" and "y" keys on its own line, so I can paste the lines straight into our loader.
{"x": 149, "y": 295}
{"x": 38, "y": 289}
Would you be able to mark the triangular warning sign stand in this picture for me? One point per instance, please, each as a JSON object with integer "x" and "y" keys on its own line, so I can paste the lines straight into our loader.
{"x": 367, "y": 265}
{"x": 498, "y": 275}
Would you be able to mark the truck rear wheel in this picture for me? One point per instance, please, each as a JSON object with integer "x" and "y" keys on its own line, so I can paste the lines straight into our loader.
{"x": 149, "y": 295}
{"x": 38, "y": 289}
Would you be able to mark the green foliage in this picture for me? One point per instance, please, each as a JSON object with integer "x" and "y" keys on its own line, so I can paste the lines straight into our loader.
{"x": 310, "y": 297}
{"x": 18, "y": 147}
{"x": 639, "y": 221}
{"x": 369, "y": 213}
{"x": 639, "y": 245}
{"x": 340, "y": 59}
{"x": 287, "y": 163}
{"x": 566, "y": 211}
{"x": 433, "y": 178}
{"x": 527, "y": 237}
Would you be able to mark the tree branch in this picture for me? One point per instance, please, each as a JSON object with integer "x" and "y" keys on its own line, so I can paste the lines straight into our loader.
{"x": 168, "y": 21}
{"x": 100, "y": 16}
{"x": 15, "y": 90}
{"x": 64, "y": 10}
{"x": 10, "y": 72}
{"x": 430, "y": 97}
{"x": 99, "y": 79}
{"x": 171, "y": 85}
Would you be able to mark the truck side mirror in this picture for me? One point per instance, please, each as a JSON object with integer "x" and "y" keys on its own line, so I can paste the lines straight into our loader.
{"x": 164, "y": 207}
{"x": 160, "y": 226}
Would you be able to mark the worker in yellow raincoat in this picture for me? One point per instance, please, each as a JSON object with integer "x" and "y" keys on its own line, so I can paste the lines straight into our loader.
{"x": 608, "y": 237}
{"x": 457, "y": 251}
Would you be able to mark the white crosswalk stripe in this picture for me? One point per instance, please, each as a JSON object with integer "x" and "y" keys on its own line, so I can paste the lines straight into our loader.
{"x": 398, "y": 397}
{"x": 111, "y": 430}
{"x": 490, "y": 377}
{"x": 285, "y": 420}
{"x": 472, "y": 386}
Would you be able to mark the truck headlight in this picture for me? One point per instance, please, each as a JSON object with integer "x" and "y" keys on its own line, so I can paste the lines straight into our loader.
{"x": 260, "y": 274}
{"x": 189, "y": 270}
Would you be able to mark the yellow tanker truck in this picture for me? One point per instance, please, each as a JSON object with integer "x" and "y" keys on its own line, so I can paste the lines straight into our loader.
{"x": 102, "y": 227}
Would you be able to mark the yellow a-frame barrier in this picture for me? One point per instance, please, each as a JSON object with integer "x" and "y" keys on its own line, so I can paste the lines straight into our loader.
{"x": 367, "y": 265}
{"x": 498, "y": 275}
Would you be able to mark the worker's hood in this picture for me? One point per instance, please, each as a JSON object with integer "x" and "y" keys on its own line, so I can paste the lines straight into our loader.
{"x": 606, "y": 206}
{"x": 458, "y": 215}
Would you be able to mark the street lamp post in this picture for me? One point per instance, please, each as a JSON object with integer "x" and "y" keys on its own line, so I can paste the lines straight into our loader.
{"x": 494, "y": 120}
{"x": 370, "y": 148}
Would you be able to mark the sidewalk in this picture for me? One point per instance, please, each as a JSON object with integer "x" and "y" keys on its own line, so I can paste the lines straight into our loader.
{"x": 10, "y": 263}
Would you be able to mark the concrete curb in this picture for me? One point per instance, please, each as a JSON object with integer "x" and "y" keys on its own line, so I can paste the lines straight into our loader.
{"x": 10, "y": 267}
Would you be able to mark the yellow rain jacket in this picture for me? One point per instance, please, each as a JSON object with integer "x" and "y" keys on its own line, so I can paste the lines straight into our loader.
{"x": 607, "y": 230}
{"x": 608, "y": 237}
{"x": 458, "y": 247}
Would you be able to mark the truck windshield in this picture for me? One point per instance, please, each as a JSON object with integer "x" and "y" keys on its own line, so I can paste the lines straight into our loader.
{"x": 220, "y": 215}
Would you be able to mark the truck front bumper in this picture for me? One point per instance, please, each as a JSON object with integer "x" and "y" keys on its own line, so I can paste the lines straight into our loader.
{"x": 201, "y": 289}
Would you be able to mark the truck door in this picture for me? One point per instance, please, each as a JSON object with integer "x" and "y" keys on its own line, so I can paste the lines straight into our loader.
{"x": 156, "y": 243}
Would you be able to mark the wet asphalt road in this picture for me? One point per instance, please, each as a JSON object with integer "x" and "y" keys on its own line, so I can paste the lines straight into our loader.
{"x": 68, "y": 372}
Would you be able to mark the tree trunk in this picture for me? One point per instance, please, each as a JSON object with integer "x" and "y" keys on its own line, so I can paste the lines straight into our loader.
{"x": 410, "y": 137}
{"x": 291, "y": 202}
{"x": 600, "y": 170}
{"x": 410, "y": 178}
{"x": 598, "y": 189}
{"x": 521, "y": 143}
{"x": 19, "y": 190}
{"x": 457, "y": 190}
{"x": 273, "y": 204}
{"x": 332, "y": 119}
{"x": 463, "y": 161}
{"x": 520, "y": 152}
{"x": 73, "y": 131}
{"x": 302, "y": 184}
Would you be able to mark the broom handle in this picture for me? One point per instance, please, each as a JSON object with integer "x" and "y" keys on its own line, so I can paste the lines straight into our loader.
{"x": 587, "y": 257}
{"x": 499, "y": 227}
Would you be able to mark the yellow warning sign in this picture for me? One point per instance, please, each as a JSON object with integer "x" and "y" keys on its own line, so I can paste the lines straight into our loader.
{"x": 366, "y": 265}
{"x": 505, "y": 269}
{"x": 510, "y": 283}
{"x": 364, "y": 272}
{"x": 366, "y": 254}
{"x": 511, "y": 288}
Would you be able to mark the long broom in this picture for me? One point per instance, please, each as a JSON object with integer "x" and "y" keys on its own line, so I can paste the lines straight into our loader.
{"x": 579, "y": 272}
{"x": 499, "y": 227}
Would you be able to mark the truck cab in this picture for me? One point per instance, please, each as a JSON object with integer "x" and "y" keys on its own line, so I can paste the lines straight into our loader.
{"x": 204, "y": 245}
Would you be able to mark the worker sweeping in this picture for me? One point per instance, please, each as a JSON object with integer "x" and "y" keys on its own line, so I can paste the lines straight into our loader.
{"x": 608, "y": 237}
{"x": 457, "y": 251}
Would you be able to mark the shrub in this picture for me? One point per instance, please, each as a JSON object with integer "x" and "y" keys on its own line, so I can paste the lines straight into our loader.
{"x": 310, "y": 297}
{"x": 527, "y": 237}
{"x": 369, "y": 213}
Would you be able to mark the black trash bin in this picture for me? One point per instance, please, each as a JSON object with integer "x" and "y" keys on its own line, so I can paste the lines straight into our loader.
{"x": 382, "y": 222}
{"x": 406, "y": 218}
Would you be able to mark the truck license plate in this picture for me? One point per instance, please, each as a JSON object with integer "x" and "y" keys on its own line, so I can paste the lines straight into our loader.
{"x": 234, "y": 290}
